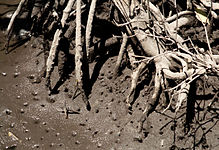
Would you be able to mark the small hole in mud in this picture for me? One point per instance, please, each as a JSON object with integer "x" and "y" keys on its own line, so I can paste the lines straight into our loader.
{"x": 95, "y": 132}
{"x": 173, "y": 128}
{"x": 42, "y": 105}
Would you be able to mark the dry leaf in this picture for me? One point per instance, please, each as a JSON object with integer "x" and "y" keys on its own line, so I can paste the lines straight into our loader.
{"x": 201, "y": 15}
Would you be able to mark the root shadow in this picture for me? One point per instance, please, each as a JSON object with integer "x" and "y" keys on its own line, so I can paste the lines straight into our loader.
{"x": 105, "y": 52}
{"x": 65, "y": 62}
{"x": 19, "y": 43}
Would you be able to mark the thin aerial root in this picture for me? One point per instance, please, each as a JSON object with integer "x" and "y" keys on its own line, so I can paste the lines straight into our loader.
{"x": 51, "y": 59}
{"x": 11, "y": 23}
{"x": 79, "y": 55}
{"x": 183, "y": 63}
{"x": 131, "y": 55}
{"x": 15, "y": 14}
{"x": 56, "y": 41}
{"x": 183, "y": 94}
{"x": 89, "y": 25}
{"x": 121, "y": 53}
{"x": 142, "y": 120}
{"x": 157, "y": 84}
{"x": 151, "y": 104}
{"x": 164, "y": 87}
{"x": 135, "y": 76}
{"x": 168, "y": 107}
{"x": 133, "y": 86}
{"x": 66, "y": 12}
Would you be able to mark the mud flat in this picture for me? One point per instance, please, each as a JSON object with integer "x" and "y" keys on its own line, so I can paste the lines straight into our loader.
{"x": 29, "y": 119}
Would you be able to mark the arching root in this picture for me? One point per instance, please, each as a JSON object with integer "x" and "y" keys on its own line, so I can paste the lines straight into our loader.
{"x": 155, "y": 97}
{"x": 135, "y": 77}
{"x": 121, "y": 53}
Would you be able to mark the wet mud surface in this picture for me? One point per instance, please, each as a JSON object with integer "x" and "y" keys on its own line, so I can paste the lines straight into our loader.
{"x": 29, "y": 119}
